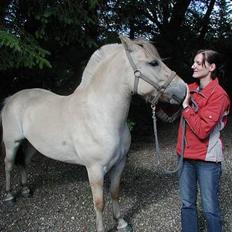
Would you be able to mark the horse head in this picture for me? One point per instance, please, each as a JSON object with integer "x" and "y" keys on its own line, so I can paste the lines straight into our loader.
{"x": 151, "y": 77}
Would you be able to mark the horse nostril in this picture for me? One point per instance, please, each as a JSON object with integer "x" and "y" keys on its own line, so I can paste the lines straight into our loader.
{"x": 172, "y": 101}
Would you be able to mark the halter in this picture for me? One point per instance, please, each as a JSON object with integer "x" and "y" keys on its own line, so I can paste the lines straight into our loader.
{"x": 138, "y": 74}
{"x": 160, "y": 90}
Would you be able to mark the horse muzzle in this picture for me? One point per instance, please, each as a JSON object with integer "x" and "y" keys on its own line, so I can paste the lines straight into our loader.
{"x": 177, "y": 92}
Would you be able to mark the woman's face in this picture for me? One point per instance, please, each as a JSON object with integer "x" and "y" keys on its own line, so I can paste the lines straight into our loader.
{"x": 200, "y": 69}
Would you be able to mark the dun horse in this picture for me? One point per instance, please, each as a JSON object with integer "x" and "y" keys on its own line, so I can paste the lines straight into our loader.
{"x": 89, "y": 127}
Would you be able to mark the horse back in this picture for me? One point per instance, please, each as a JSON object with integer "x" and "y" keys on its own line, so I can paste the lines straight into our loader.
{"x": 27, "y": 107}
{"x": 24, "y": 99}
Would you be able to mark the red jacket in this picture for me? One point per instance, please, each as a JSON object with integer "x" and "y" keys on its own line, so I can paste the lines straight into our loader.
{"x": 204, "y": 123}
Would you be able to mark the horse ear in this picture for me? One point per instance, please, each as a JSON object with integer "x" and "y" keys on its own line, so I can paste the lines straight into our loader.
{"x": 124, "y": 39}
{"x": 127, "y": 43}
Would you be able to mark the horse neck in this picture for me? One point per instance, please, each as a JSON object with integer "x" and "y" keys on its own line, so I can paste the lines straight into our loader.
{"x": 110, "y": 89}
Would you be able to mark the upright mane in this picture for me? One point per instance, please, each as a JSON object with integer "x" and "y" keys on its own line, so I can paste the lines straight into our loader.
{"x": 98, "y": 56}
{"x": 107, "y": 50}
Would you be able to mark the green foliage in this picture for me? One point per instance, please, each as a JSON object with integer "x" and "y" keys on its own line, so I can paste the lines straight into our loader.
{"x": 130, "y": 124}
{"x": 63, "y": 34}
{"x": 65, "y": 22}
{"x": 16, "y": 52}
{"x": 32, "y": 30}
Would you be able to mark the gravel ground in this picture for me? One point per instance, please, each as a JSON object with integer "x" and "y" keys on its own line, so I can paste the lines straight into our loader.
{"x": 62, "y": 199}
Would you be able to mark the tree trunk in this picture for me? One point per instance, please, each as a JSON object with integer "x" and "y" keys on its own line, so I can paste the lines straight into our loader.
{"x": 169, "y": 33}
{"x": 178, "y": 16}
{"x": 4, "y": 5}
{"x": 205, "y": 23}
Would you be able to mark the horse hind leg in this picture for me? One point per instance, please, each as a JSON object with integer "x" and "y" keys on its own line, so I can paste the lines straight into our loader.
{"x": 10, "y": 152}
{"x": 15, "y": 154}
{"x": 25, "y": 191}
{"x": 115, "y": 177}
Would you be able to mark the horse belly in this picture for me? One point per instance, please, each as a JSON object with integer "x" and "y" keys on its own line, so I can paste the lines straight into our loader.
{"x": 61, "y": 151}
{"x": 52, "y": 140}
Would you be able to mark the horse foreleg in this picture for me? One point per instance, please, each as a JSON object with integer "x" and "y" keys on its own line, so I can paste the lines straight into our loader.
{"x": 96, "y": 179}
{"x": 115, "y": 176}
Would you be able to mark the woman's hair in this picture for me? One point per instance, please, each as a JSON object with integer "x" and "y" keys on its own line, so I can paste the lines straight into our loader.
{"x": 212, "y": 57}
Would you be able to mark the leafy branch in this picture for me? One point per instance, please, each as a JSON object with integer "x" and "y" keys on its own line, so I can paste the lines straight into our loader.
{"x": 17, "y": 51}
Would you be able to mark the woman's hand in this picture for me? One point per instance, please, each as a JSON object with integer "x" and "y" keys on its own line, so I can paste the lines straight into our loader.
{"x": 187, "y": 98}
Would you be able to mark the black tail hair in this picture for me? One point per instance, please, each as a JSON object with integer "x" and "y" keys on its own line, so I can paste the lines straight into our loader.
{"x": 1, "y": 131}
{"x": 20, "y": 154}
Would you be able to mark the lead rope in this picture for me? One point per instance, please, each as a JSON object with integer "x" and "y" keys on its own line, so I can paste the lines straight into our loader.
{"x": 183, "y": 138}
{"x": 165, "y": 117}
{"x": 157, "y": 147}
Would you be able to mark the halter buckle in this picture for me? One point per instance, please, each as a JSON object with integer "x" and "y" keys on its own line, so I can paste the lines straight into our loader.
{"x": 137, "y": 73}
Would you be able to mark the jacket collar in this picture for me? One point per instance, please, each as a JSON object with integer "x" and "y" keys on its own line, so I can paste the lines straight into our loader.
{"x": 205, "y": 92}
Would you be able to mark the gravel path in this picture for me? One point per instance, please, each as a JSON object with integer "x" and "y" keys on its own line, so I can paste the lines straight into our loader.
{"x": 62, "y": 199}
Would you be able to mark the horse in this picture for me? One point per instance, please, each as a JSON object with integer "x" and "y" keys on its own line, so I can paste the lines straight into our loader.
{"x": 89, "y": 127}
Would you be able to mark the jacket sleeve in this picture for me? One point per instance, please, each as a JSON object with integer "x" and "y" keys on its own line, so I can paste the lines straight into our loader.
{"x": 203, "y": 121}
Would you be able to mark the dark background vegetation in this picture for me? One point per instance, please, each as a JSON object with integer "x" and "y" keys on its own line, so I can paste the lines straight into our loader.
{"x": 47, "y": 43}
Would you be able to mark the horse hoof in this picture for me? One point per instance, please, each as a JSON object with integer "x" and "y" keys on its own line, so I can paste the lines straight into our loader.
{"x": 10, "y": 200}
{"x": 26, "y": 192}
{"x": 128, "y": 228}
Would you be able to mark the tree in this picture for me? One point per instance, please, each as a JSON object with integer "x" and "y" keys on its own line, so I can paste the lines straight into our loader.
{"x": 40, "y": 34}
{"x": 53, "y": 39}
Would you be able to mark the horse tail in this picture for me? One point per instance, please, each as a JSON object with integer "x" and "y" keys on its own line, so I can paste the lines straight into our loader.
{"x": 2, "y": 147}
{"x": 20, "y": 155}
{"x": 20, "y": 158}
{"x": 1, "y": 129}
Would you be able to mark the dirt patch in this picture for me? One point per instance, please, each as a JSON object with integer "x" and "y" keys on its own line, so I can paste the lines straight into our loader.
{"x": 62, "y": 199}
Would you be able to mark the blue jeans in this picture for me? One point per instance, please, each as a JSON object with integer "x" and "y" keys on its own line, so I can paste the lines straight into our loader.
{"x": 207, "y": 176}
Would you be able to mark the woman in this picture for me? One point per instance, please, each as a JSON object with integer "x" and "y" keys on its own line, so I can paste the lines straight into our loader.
{"x": 204, "y": 109}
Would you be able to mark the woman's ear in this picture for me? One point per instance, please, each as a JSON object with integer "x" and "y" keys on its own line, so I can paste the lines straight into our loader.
{"x": 212, "y": 67}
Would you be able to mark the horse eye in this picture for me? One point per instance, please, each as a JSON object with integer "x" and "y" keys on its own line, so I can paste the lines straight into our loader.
{"x": 154, "y": 63}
